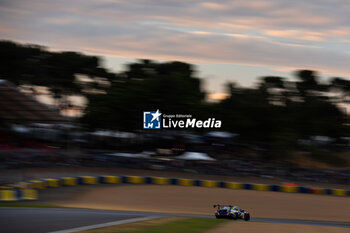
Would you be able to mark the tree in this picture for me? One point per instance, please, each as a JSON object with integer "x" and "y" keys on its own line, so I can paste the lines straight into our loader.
{"x": 35, "y": 65}
{"x": 170, "y": 87}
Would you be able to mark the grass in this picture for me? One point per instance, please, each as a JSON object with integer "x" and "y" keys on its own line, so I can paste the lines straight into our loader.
{"x": 168, "y": 225}
{"x": 20, "y": 204}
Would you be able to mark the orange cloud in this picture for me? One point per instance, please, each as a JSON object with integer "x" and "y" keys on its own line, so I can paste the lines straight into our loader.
{"x": 214, "y": 6}
{"x": 297, "y": 34}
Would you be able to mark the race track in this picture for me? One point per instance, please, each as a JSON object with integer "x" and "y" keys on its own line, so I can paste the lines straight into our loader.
{"x": 40, "y": 220}
{"x": 126, "y": 203}
{"x": 200, "y": 200}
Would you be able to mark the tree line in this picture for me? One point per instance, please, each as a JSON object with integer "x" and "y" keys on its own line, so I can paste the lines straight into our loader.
{"x": 277, "y": 111}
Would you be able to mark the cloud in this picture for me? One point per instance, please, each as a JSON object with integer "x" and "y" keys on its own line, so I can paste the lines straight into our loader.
{"x": 279, "y": 33}
{"x": 297, "y": 34}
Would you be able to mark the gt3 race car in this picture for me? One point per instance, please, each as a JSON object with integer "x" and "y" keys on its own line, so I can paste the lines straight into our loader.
{"x": 231, "y": 212}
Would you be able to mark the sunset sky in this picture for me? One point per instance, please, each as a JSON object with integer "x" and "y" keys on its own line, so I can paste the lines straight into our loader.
{"x": 227, "y": 40}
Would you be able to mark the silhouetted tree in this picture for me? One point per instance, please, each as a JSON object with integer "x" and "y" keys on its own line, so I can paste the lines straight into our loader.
{"x": 35, "y": 65}
{"x": 170, "y": 87}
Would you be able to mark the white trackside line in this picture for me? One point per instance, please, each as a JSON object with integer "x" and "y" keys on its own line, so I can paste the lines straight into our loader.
{"x": 107, "y": 224}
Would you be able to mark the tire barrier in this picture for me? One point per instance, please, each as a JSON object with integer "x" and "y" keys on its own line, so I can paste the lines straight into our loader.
{"x": 28, "y": 190}
{"x": 18, "y": 194}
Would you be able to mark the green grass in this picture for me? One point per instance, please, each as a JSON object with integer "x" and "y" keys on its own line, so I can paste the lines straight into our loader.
{"x": 16, "y": 204}
{"x": 182, "y": 225}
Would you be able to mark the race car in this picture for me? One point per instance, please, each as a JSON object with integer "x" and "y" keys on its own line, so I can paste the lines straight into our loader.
{"x": 231, "y": 212}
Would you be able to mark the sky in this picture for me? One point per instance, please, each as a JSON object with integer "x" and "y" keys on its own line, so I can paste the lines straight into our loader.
{"x": 228, "y": 41}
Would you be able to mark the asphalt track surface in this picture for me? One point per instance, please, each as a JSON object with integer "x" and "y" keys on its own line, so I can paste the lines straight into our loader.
{"x": 39, "y": 220}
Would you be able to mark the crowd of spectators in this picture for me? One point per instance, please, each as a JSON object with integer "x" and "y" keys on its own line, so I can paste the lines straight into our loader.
{"x": 237, "y": 168}
{"x": 18, "y": 153}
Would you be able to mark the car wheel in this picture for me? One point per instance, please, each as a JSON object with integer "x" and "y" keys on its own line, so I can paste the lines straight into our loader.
{"x": 246, "y": 217}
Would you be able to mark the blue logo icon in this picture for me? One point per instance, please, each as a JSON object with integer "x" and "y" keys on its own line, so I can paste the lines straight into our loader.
{"x": 151, "y": 120}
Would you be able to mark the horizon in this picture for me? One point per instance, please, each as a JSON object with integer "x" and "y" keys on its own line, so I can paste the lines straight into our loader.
{"x": 228, "y": 41}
